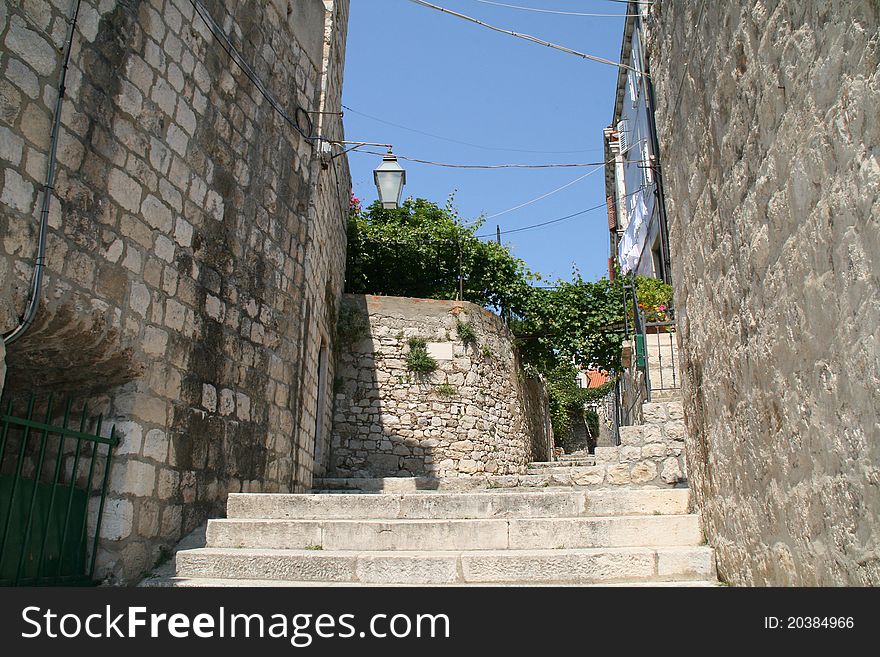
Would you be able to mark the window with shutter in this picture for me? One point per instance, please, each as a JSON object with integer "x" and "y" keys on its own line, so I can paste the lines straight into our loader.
{"x": 623, "y": 135}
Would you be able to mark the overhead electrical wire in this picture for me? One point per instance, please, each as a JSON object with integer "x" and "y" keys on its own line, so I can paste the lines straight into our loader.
{"x": 553, "y": 11}
{"x": 467, "y": 143}
{"x": 487, "y": 166}
{"x": 555, "y": 221}
{"x": 543, "y": 223}
{"x": 223, "y": 39}
{"x": 543, "y": 196}
{"x": 527, "y": 37}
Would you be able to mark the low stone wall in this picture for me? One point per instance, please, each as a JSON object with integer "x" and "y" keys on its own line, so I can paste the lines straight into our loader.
{"x": 650, "y": 454}
{"x": 476, "y": 414}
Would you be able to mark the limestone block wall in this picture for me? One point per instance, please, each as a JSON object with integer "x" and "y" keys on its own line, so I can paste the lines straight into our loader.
{"x": 650, "y": 454}
{"x": 196, "y": 244}
{"x": 772, "y": 176}
{"x": 475, "y": 415}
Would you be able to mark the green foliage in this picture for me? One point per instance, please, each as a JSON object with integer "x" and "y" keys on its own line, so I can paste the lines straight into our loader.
{"x": 466, "y": 332}
{"x": 655, "y": 298}
{"x": 567, "y": 400}
{"x": 592, "y": 419}
{"x": 486, "y": 350}
{"x": 418, "y": 360}
{"x": 577, "y": 320}
{"x": 351, "y": 326}
{"x": 419, "y": 249}
{"x": 446, "y": 390}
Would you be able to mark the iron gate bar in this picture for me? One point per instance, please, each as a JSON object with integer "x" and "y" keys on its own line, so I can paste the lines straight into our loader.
{"x": 36, "y": 488}
{"x": 69, "y": 506}
{"x": 18, "y": 466}
{"x": 58, "y": 460}
{"x": 100, "y": 504}
{"x": 34, "y": 566}
{"x": 33, "y": 424}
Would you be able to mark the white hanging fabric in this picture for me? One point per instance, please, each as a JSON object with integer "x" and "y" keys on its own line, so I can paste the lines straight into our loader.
{"x": 633, "y": 241}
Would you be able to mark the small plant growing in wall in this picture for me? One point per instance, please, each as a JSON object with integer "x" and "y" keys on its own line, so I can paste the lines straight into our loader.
{"x": 446, "y": 390}
{"x": 466, "y": 332}
{"x": 351, "y": 326}
{"x": 486, "y": 350}
{"x": 418, "y": 360}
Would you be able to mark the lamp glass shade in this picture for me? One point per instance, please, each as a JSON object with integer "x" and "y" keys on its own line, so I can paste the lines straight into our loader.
{"x": 390, "y": 178}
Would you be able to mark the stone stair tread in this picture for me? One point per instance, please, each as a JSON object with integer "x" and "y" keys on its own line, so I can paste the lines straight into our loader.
{"x": 508, "y": 503}
{"x": 445, "y": 567}
{"x": 430, "y": 535}
{"x": 187, "y": 582}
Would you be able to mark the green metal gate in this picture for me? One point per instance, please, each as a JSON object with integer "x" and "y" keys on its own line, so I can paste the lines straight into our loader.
{"x": 50, "y": 475}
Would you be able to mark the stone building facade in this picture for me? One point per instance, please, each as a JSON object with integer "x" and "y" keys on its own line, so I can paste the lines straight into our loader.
{"x": 767, "y": 118}
{"x": 196, "y": 243}
{"x": 476, "y": 414}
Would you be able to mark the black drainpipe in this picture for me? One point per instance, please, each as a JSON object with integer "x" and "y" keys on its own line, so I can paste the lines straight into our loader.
{"x": 658, "y": 176}
{"x": 40, "y": 259}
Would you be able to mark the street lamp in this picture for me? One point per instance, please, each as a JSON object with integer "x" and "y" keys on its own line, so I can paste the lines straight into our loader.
{"x": 390, "y": 178}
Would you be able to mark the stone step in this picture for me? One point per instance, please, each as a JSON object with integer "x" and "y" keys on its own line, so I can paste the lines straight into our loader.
{"x": 563, "y": 462}
{"x": 563, "y": 468}
{"x": 568, "y": 566}
{"x": 472, "y": 534}
{"x": 514, "y": 503}
{"x": 192, "y": 582}
{"x": 565, "y": 476}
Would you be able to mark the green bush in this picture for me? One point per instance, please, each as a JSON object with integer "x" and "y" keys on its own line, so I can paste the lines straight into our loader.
{"x": 351, "y": 326}
{"x": 567, "y": 401}
{"x": 466, "y": 332}
{"x": 446, "y": 390}
{"x": 655, "y": 298}
{"x": 418, "y": 360}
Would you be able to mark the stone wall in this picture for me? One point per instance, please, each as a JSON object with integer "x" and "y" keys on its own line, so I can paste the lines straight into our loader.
{"x": 476, "y": 414}
{"x": 772, "y": 177}
{"x": 196, "y": 245}
{"x": 651, "y": 453}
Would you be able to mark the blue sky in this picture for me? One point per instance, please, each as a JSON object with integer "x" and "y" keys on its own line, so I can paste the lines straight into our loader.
{"x": 428, "y": 71}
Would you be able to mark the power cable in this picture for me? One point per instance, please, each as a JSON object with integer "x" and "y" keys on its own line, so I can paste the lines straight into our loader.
{"x": 466, "y": 143}
{"x": 223, "y": 39}
{"x": 552, "y": 11}
{"x": 487, "y": 166}
{"x": 527, "y": 37}
{"x": 556, "y": 221}
{"x": 543, "y": 196}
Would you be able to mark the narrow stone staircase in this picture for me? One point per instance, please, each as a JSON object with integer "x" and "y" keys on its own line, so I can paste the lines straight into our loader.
{"x": 491, "y": 537}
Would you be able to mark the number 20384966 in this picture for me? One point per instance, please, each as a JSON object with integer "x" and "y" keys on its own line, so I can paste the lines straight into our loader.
{"x": 809, "y": 622}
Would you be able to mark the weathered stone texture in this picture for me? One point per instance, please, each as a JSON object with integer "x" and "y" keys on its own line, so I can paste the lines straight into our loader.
{"x": 196, "y": 245}
{"x": 773, "y": 183}
{"x": 475, "y": 415}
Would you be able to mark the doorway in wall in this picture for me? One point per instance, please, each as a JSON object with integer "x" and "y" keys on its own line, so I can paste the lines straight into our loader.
{"x": 320, "y": 407}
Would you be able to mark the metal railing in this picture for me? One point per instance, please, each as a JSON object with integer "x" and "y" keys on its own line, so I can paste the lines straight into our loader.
{"x": 51, "y": 476}
{"x": 660, "y": 350}
{"x": 654, "y": 366}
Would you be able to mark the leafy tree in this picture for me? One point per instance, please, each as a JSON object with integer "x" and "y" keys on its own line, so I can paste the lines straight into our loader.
{"x": 419, "y": 249}
{"x": 579, "y": 321}
{"x": 567, "y": 401}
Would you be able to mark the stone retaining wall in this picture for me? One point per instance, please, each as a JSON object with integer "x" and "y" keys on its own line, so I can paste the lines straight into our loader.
{"x": 475, "y": 415}
{"x": 651, "y": 453}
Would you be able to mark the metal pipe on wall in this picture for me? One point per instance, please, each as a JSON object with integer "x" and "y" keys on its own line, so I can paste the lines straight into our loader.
{"x": 39, "y": 261}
